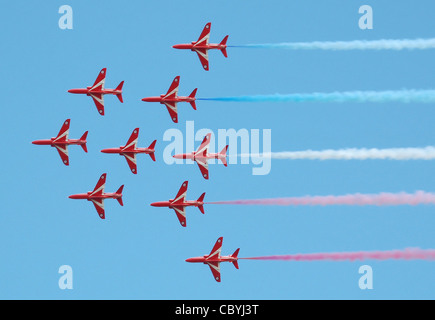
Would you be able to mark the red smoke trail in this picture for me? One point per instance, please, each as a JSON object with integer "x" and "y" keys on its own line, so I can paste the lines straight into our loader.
{"x": 406, "y": 254}
{"x": 381, "y": 199}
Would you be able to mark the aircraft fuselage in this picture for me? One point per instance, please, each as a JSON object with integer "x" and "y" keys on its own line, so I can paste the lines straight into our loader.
{"x": 169, "y": 204}
{"x": 120, "y": 150}
{"x": 88, "y": 91}
{"x": 162, "y": 99}
{"x": 51, "y": 142}
{"x": 204, "y": 259}
{"x": 192, "y": 46}
{"x": 193, "y": 156}
{"x": 89, "y": 197}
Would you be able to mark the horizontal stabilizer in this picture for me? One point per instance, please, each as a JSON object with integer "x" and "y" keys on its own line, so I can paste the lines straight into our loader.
{"x": 119, "y": 95}
{"x": 83, "y": 139}
{"x": 224, "y": 50}
{"x": 152, "y": 156}
{"x": 234, "y": 255}
{"x": 119, "y": 193}
{"x": 223, "y": 156}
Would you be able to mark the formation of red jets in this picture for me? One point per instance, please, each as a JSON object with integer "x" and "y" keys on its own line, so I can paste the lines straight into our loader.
{"x": 130, "y": 149}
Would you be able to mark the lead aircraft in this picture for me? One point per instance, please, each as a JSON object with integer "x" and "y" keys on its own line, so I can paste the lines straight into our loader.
{"x": 61, "y": 142}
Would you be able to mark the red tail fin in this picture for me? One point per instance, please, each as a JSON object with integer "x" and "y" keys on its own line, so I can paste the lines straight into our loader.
{"x": 224, "y": 50}
{"x": 83, "y": 138}
{"x": 192, "y": 95}
{"x": 119, "y": 87}
{"x": 119, "y": 193}
{"x": 201, "y": 199}
{"x": 223, "y": 155}
{"x": 152, "y": 146}
{"x": 234, "y": 255}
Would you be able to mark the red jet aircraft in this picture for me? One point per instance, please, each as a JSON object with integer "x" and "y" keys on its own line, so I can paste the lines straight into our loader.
{"x": 130, "y": 150}
{"x": 202, "y": 46}
{"x": 170, "y": 99}
{"x": 201, "y": 156}
{"x": 97, "y": 91}
{"x": 214, "y": 259}
{"x": 97, "y": 196}
{"x": 61, "y": 142}
{"x": 179, "y": 203}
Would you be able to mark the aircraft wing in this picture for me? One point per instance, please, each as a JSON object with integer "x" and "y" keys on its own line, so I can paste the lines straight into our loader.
{"x": 216, "y": 251}
{"x": 99, "y": 102}
{"x": 181, "y": 214}
{"x": 132, "y": 141}
{"x": 203, "y": 167}
{"x": 173, "y": 89}
{"x": 63, "y": 152}
{"x": 62, "y": 136}
{"x": 215, "y": 269}
{"x": 131, "y": 161}
{"x": 203, "y": 57}
{"x": 204, "y": 36}
{"x": 203, "y": 148}
{"x": 172, "y": 108}
{"x": 181, "y": 195}
{"x": 99, "y": 82}
{"x": 99, "y": 205}
{"x": 99, "y": 188}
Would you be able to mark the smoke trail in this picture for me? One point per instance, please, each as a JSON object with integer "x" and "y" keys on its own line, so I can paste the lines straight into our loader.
{"x": 381, "y": 199}
{"x": 406, "y": 254}
{"x": 426, "y": 153}
{"x": 384, "y": 44}
{"x": 425, "y": 96}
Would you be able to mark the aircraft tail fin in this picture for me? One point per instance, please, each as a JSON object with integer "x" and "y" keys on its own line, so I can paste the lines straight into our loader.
{"x": 223, "y": 156}
{"x": 119, "y": 193}
{"x": 83, "y": 139}
{"x": 152, "y": 146}
{"x": 224, "y": 50}
{"x": 119, "y": 95}
{"x": 192, "y": 95}
{"x": 234, "y": 255}
{"x": 201, "y": 199}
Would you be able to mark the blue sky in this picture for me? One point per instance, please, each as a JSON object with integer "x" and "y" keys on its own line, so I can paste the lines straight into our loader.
{"x": 138, "y": 252}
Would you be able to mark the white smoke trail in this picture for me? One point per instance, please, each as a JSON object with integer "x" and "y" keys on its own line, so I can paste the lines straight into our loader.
{"x": 426, "y": 153}
{"x": 383, "y": 44}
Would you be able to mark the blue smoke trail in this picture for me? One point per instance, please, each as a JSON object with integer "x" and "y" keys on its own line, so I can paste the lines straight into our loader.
{"x": 384, "y": 44}
{"x": 424, "y": 96}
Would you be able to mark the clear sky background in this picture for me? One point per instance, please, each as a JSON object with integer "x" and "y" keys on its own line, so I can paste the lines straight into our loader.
{"x": 138, "y": 252}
